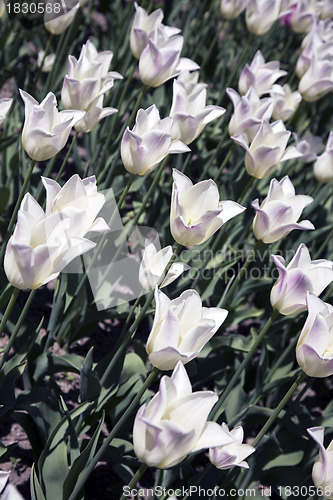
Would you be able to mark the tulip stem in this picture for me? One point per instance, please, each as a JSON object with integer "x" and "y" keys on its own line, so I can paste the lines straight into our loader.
{"x": 241, "y": 273}
{"x": 246, "y": 189}
{"x": 7, "y": 312}
{"x": 135, "y": 479}
{"x": 239, "y": 62}
{"x": 17, "y": 327}
{"x": 128, "y": 412}
{"x": 278, "y": 409}
{"x": 63, "y": 165}
{"x": 46, "y": 51}
{"x": 246, "y": 360}
{"x": 224, "y": 163}
{"x": 125, "y": 191}
{"x": 16, "y": 209}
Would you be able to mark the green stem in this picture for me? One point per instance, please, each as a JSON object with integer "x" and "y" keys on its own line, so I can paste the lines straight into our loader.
{"x": 224, "y": 163}
{"x": 66, "y": 157}
{"x": 128, "y": 412}
{"x": 127, "y": 333}
{"x": 135, "y": 479}
{"x": 9, "y": 309}
{"x": 47, "y": 172}
{"x": 46, "y": 51}
{"x": 17, "y": 327}
{"x": 125, "y": 191}
{"x": 278, "y": 409}
{"x": 17, "y": 207}
{"x": 241, "y": 367}
{"x": 246, "y": 189}
{"x": 238, "y": 65}
{"x": 242, "y": 272}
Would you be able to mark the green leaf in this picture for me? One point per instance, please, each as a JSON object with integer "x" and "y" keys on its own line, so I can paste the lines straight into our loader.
{"x": 48, "y": 364}
{"x": 53, "y": 462}
{"x": 36, "y": 491}
{"x": 90, "y": 387}
{"x": 82, "y": 461}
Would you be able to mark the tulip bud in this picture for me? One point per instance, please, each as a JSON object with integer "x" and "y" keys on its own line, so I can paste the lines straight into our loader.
{"x": 181, "y": 328}
{"x": 302, "y": 275}
{"x": 323, "y": 167}
{"x": 196, "y": 212}
{"x": 260, "y": 15}
{"x": 278, "y": 214}
{"x": 5, "y": 105}
{"x": 46, "y": 130}
{"x": 322, "y": 468}
{"x": 153, "y": 264}
{"x": 161, "y": 60}
{"x": 259, "y": 75}
{"x": 267, "y": 149}
{"x": 230, "y": 9}
{"x": 190, "y": 114}
{"x": 314, "y": 350}
{"x": 143, "y": 147}
{"x": 285, "y": 102}
{"x": 249, "y": 111}
{"x": 174, "y": 423}
{"x": 234, "y": 454}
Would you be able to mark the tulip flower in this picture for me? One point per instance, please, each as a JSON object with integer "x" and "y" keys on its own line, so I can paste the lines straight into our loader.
{"x": 189, "y": 79}
{"x": 153, "y": 264}
{"x": 230, "y": 9}
{"x": 143, "y": 26}
{"x": 323, "y": 166}
{"x": 181, "y": 328}
{"x": 317, "y": 80}
{"x": 249, "y": 111}
{"x": 304, "y": 14}
{"x": 278, "y": 214}
{"x": 267, "y": 149}
{"x": 43, "y": 243}
{"x": 2, "y": 8}
{"x": 302, "y": 275}
{"x": 285, "y": 102}
{"x": 57, "y": 20}
{"x": 46, "y": 130}
{"x": 190, "y": 114}
{"x": 85, "y": 84}
{"x": 260, "y": 15}
{"x": 225, "y": 457}
{"x": 260, "y": 75}
{"x": 322, "y": 468}
{"x": 161, "y": 60}
{"x": 196, "y": 212}
{"x": 5, "y": 105}
{"x": 79, "y": 201}
{"x": 143, "y": 147}
{"x": 314, "y": 350}
{"x": 48, "y": 61}
{"x": 40, "y": 247}
{"x": 326, "y": 9}
{"x": 174, "y": 423}
{"x": 308, "y": 146}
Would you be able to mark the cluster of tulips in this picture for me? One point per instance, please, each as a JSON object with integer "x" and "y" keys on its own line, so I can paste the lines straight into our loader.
{"x": 46, "y": 238}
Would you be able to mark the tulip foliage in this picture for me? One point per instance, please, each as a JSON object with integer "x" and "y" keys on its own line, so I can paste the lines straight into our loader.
{"x": 185, "y": 146}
